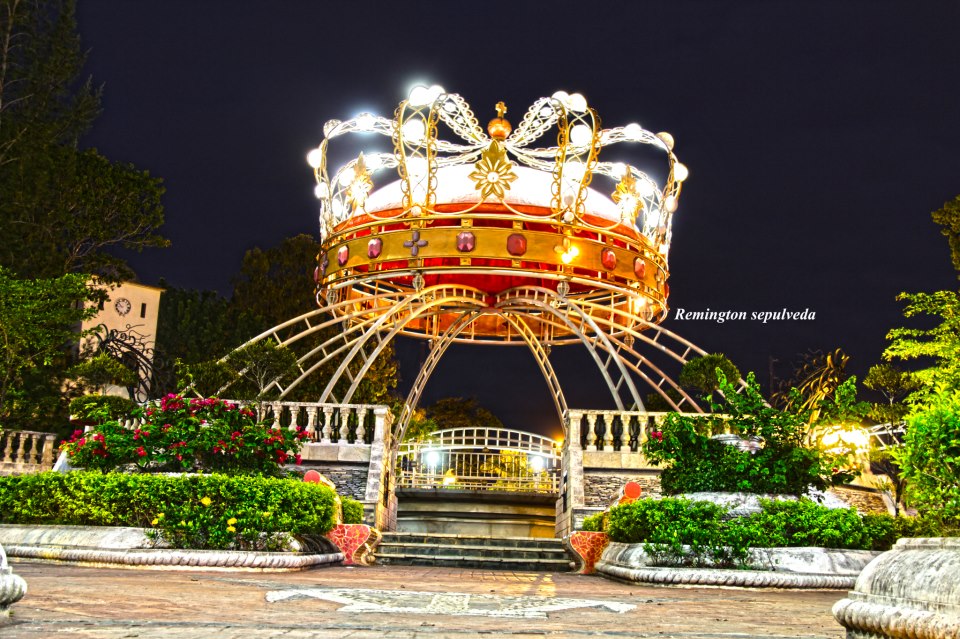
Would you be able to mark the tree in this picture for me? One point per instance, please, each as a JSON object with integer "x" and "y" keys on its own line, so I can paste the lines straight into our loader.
{"x": 785, "y": 463}
{"x": 457, "y": 412}
{"x": 948, "y": 218}
{"x": 263, "y": 364}
{"x": 193, "y": 327}
{"x": 893, "y": 384}
{"x": 276, "y": 284}
{"x": 930, "y": 456}
{"x": 937, "y": 347}
{"x": 38, "y": 320}
{"x": 420, "y": 427}
{"x": 65, "y": 206}
{"x": 101, "y": 371}
{"x": 700, "y": 373}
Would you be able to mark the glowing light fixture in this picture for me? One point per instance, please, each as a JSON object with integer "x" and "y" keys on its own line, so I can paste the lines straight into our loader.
{"x": 581, "y": 135}
{"x": 536, "y": 463}
{"x": 680, "y": 172}
{"x": 315, "y": 158}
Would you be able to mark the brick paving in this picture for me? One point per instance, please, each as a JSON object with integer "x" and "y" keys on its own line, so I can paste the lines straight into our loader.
{"x": 109, "y": 603}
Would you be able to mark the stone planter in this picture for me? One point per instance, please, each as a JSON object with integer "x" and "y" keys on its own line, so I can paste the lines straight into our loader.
{"x": 768, "y": 567}
{"x": 12, "y": 587}
{"x": 133, "y": 548}
{"x": 912, "y": 590}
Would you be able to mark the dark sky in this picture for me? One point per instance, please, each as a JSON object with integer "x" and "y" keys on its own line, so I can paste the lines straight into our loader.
{"x": 819, "y": 137}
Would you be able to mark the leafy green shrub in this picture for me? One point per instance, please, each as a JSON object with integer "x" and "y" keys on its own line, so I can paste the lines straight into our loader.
{"x": 595, "y": 523}
{"x": 886, "y": 530}
{"x": 184, "y": 435}
{"x": 101, "y": 408}
{"x": 930, "y": 456}
{"x": 784, "y": 465}
{"x": 806, "y": 523}
{"x": 198, "y": 511}
{"x": 352, "y": 511}
{"x": 667, "y": 526}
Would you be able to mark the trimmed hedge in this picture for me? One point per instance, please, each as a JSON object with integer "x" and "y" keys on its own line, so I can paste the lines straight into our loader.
{"x": 195, "y": 511}
{"x": 683, "y": 531}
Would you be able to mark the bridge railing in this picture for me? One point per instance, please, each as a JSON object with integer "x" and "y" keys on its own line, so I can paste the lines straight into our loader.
{"x": 480, "y": 459}
{"x": 547, "y": 482}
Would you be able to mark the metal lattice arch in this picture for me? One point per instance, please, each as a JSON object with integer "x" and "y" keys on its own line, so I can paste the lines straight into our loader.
{"x": 489, "y": 237}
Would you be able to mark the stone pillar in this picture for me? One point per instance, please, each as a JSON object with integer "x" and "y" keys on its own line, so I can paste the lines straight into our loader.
{"x": 12, "y": 587}
{"x": 344, "y": 425}
{"x": 327, "y": 424}
{"x": 378, "y": 475}
{"x": 571, "y": 466}
{"x": 591, "y": 432}
{"x": 361, "y": 426}
{"x": 607, "y": 431}
{"x": 46, "y": 462}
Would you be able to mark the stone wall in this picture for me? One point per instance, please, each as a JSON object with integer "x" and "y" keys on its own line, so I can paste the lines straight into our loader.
{"x": 865, "y": 500}
{"x": 602, "y": 486}
{"x": 350, "y": 479}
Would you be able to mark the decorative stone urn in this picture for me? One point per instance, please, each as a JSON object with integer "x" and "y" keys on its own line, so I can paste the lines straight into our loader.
{"x": 12, "y": 587}
{"x": 913, "y": 590}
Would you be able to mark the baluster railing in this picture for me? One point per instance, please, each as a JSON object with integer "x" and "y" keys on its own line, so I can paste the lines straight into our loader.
{"x": 25, "y": 451}
{"x": 592, "y": 430}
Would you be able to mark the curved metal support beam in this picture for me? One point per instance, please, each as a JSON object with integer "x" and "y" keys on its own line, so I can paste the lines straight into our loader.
{"x": 543, "y": 361}
{"x": 383, "y": 341}
{"x": 426, "y": 370}
{"x": 545, "y": 305}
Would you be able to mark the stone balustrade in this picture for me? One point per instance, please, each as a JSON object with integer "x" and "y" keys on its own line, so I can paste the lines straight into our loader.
{"x": 26, "y": 451}
{"x": 614, "y": 430}
{"x": 324, "y": 423}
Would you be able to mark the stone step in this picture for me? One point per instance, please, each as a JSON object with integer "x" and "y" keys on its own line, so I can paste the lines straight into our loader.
{"x": 472, "y": 540}
{"x": 475, "y": 562}
{"x": 477, "y": 551}
{"x": 474, "y": 552}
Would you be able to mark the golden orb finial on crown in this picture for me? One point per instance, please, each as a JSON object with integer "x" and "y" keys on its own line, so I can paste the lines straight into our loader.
{"x": 499, "y": 127}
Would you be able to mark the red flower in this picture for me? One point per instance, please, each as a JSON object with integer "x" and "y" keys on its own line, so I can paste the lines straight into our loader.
{"x": 142, "y": 452}
{"x": 298, "y": 458}
{"x": 656, "y": 435}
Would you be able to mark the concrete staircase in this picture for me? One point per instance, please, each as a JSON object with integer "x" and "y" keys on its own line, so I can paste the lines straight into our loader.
{"x": 529, "y": 554}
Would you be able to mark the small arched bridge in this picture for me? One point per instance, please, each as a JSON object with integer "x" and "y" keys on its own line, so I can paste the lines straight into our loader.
{"x": 480, "y": 459}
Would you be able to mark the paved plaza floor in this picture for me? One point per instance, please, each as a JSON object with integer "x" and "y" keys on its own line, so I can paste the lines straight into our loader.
{"x": 396, "y": 602}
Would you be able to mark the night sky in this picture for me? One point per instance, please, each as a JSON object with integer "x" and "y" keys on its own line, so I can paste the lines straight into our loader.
{"x": 819, "y": 137}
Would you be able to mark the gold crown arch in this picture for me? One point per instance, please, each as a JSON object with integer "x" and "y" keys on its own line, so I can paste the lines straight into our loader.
{"x": 483, "y": 237}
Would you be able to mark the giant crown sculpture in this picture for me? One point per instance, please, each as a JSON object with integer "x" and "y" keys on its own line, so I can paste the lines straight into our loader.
{"x": 487, "y": 212}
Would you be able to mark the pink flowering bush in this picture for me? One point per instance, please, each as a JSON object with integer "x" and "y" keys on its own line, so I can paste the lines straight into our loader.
{"x": 182, "y": 434}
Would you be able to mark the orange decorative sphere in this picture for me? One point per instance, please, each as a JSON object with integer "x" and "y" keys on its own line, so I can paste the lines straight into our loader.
{"x": 499, "y": 128}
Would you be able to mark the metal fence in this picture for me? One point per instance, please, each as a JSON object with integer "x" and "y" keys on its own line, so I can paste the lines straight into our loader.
{"x": 480, "y": 459}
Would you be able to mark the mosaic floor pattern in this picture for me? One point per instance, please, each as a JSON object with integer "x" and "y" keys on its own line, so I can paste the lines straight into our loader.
{"x": 433, "y": 603}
